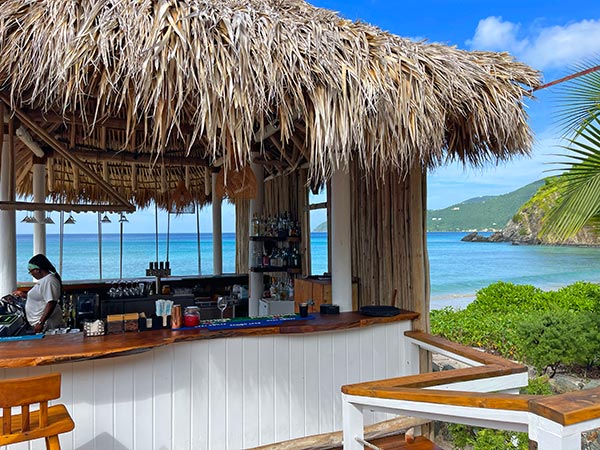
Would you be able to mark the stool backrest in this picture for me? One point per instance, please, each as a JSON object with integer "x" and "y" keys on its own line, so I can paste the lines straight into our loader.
{"x": 24, "y": 392}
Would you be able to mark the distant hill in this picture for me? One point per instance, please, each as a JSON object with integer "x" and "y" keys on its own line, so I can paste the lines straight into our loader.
{"x": 488, "y": 213}
{"x": 322, "y": 227}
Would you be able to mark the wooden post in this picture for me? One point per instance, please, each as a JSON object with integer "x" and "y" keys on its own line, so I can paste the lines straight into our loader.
{"x": 217, "y": 228}
{"x": 39, "y": 196}
{"x": 256, "y": 207}
{"x": 353, "y": 424}
{"x": 341, "y": 267}
{"x": 8, "y": 226}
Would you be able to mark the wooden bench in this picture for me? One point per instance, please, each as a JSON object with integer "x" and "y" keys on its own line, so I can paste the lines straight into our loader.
{"x": 46, "y": 422}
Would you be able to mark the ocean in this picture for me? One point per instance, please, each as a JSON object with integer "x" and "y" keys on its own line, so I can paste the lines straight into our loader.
{"x": 458, "y": 269}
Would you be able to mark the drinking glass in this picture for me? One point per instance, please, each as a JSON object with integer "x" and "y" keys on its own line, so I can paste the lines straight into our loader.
{"x": 222, "y": 305}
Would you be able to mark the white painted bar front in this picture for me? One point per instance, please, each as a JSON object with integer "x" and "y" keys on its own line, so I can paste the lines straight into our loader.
{"x": 227, "y": 393}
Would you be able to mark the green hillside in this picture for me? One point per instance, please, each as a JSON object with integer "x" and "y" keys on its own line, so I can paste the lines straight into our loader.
{"x": 322, "y": 227}
{"x": 476, "y": 214}
{"x": 481, "y": 213}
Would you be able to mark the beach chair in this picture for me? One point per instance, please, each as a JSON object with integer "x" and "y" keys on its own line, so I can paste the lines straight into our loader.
{"x": 46, "y": 422}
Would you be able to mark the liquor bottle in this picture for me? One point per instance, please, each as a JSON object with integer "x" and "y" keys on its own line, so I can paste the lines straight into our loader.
{"x": 255, "y": 225}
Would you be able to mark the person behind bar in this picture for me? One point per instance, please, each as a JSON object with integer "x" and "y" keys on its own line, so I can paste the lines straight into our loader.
{"x": 41, "y": 308}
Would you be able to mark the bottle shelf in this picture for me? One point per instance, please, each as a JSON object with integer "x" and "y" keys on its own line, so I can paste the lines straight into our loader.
{"x": 276, "y": 269}
{"x": 275, "y": 238}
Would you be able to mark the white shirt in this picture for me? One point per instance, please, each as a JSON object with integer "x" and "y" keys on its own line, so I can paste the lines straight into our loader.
{"x": 46, "y": 289}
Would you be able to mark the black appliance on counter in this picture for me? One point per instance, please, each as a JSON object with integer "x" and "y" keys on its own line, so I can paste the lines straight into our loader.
{"x": 86, "y": 308}
{"x": 11, "y": 324}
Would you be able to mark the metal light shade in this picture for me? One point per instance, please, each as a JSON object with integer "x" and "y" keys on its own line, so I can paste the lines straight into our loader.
{"x": 48, "y": 220}
{"x": 29, "y": 219}
{"x": 105, "y": 219}
{"x": 70, "y": 221}
{"x": 123, "y": 219}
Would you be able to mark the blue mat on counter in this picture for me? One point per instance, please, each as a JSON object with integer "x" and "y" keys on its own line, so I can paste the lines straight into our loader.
{"x": 247, "y": 322}
{"x": 26, "y": 337}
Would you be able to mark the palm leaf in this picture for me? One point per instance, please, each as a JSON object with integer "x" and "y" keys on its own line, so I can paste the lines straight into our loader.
{"x": 579, "y": 185}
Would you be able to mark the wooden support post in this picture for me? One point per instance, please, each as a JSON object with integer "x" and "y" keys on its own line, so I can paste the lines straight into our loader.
{"x": 8, "y": 227}
{"x": 341, "y": 255}
{"x": 353, "y": 424}
{"x": 256, "y": 207}
{"x": 39, "y": 196}
{"x": 553, "y": 436}
{"x": 217, "y": 228}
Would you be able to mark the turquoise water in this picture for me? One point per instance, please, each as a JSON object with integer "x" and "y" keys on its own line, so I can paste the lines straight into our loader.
{"x": 81, "y": 261}
{"x": 458, "y": 269}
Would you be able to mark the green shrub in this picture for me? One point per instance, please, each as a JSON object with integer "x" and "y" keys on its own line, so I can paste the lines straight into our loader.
{"x": 553, "y": 337}
{"x": 580, "y": 296}
{"x": 495, "y": 332}
{"x": 486, "y": 439}
{"x": 523, "y": 322}
{"x": 538, "y": 386}
{"x": 507, "y": 298}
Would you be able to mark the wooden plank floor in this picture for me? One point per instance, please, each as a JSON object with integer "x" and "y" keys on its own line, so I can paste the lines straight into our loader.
{"x": 398, "y": 443}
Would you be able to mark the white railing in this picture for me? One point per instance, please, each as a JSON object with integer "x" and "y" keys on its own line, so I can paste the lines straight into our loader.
{"x": 475, "y": 396}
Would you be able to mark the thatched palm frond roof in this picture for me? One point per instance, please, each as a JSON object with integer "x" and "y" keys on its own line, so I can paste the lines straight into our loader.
{"x": 276, "y": 81}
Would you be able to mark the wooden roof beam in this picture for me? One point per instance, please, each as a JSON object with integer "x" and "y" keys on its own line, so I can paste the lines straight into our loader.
{"x": 74, "y": 207}
{"x": 64, "y": 152}
{"x": 136, "y": 158}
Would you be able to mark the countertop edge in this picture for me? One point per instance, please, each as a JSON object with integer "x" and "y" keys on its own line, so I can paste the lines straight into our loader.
{"x": 75, "y": 347}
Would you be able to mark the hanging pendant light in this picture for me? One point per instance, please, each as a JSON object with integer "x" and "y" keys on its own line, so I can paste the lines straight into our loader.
{"x": 70, "y": 220}
{"x": 123, "y": 219}
{"x": 105, "y": 219}
{"x": 48, "y": 220}
{"x": 29, "y": 219}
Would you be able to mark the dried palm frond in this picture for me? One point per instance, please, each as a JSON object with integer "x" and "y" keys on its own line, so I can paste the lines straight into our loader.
{"x": 204, "y": 76}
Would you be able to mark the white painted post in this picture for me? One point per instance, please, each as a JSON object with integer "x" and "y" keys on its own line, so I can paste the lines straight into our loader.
{"x": 353, "y": 424}
{"x": 39, "y": 196}
{"x": 553, "y": 436}
{"x": 341, "y": 257}
{"x": 8, "y": 226}
{"x": 217, "y": 235}
{"x": 256, "y": 207}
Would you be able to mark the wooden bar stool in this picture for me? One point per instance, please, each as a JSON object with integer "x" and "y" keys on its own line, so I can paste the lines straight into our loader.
{"x": 45, "y": 422}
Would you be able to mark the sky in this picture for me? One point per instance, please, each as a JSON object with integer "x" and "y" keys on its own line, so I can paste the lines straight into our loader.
{"x": 552, "y": 36}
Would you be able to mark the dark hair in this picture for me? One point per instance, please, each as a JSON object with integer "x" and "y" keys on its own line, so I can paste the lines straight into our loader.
{"x": 44, "y": 263}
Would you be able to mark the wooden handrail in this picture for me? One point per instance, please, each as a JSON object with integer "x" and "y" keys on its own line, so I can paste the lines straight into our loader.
{"x": 461, "y": 350}
{"x": 569, "y": 408}
{"x": 566, "y": 409}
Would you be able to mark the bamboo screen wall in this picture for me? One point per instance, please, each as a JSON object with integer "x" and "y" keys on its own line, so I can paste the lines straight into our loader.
{"x": 389, "y": 253}
{"x": 242, "y": 229}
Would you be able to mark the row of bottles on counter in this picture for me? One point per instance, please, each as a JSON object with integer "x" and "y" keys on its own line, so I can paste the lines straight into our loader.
{"x": 281, "y": 226}
{"x": 280, "y": 289}
{"x": 284, "y": 258}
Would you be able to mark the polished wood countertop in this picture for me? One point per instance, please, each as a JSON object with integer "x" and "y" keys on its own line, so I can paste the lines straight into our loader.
{"x": 56, "y": 349}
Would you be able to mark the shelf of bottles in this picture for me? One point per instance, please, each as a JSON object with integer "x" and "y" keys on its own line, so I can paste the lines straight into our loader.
{"x": 276, "y": 257}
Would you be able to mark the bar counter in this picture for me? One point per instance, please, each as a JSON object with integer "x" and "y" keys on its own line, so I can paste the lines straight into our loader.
{"x": 54, "y": 349}
{"x": 224, "y": 389}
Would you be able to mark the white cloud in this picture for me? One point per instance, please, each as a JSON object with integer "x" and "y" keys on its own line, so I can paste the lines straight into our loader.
{"x": 542, "y": 47}
{"x": 495, "y": 34}
{"x": 560, "y": 46}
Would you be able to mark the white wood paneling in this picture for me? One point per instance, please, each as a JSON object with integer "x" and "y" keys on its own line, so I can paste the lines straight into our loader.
{"x": 229, "y": 393}
{"x": 142, "y": 394}
{"x": 282, "y": 389}
{"x": 181, "y": 399}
